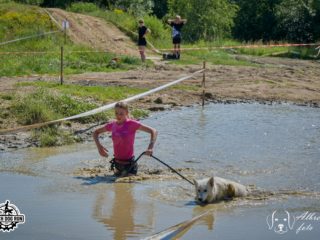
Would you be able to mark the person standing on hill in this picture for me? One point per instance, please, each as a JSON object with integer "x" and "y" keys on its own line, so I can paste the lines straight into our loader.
{"x": 142, "y": 42}
{"x": 176, "y": 25}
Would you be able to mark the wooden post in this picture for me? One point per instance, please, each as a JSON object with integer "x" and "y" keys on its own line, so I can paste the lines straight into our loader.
{"x": 61, "y": 66}
{"x": 203, "y": 85}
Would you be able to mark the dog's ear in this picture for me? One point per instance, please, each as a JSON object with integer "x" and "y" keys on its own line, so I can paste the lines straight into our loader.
{"x": 195, "y": 183}
{"x": 291, "y": 220}
{"x": 270, "y": 220}
{"x": 211, "y": 181}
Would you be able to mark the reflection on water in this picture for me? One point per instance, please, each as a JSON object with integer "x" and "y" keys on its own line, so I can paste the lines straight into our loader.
{"x": 117, "y": 212}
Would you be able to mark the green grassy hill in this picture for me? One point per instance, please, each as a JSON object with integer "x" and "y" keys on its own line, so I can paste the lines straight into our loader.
{"x": 18, "y": 21}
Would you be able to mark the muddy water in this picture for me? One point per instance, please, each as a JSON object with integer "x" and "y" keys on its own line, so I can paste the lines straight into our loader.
{"x": 68, "y": 193}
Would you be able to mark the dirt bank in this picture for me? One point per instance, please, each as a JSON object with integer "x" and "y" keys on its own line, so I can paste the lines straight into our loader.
{"x": 95, "y": 33}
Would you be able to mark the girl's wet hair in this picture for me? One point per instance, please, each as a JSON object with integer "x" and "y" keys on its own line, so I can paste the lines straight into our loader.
{"x": 122, "y": 105}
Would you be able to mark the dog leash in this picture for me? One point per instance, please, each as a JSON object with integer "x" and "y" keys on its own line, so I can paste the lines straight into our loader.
{"x": 172, "y": 169}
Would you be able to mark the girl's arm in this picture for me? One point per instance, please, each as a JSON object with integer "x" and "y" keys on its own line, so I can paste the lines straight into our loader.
{"x": 147, "y": 32}
{"x": 102, "y": 150}
{"x": 153, "y": 137}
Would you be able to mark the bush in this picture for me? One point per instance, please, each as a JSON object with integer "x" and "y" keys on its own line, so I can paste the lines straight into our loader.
{"x": 158, "y": 31}
{"x": 43, "y": 106}
{"x": 47, "y": 136}
{"x": 31, "y": 2}
{"x": 83, "y": 7}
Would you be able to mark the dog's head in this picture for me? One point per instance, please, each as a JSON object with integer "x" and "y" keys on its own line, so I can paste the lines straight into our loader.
{"x": 204, "y": 189}
{"x": 280, "y": 221}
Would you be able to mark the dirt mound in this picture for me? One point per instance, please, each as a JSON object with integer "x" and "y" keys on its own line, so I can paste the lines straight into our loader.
{"x": 95, "y": 32}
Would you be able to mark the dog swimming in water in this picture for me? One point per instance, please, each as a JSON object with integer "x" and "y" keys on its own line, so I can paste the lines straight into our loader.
{"x": 214, "y": 189}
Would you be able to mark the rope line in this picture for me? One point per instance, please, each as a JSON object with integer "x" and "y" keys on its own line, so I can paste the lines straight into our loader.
{"x": 185, "y": 49}
{"x": 100, "y": 109}
{"x": 245, "y": 46}
{"x": 53, "y": 19}
{"x": 31, "y": 36}
{"x": 174, "y": 231}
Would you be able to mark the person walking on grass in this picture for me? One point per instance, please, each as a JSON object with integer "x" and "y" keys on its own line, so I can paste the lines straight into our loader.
{"x": 123, "y": 130}
{"x": 176, "y": 25}
{"x": 142, "y": 42}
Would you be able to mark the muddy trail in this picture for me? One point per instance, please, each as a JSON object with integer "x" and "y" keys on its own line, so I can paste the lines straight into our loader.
{"x": 95, "y": 32}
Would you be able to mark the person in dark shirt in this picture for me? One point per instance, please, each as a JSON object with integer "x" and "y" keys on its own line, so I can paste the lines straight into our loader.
{"x": 142, "y": 42}
{"x": 176, "y": 25}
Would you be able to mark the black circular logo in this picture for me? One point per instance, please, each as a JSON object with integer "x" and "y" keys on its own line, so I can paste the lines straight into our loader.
{"x": 10, "y": 217}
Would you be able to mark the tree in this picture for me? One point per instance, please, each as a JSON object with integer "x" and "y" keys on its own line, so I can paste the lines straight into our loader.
{"x": 256, "y": 20}
{"x": 160, "y": 8}
{"x": 31, "y": 2}
{"x": 137, "y": 8}
{"x": 316, "y": 20}
{"x": 207, "y": 19}
{"x": 295, "y": 20}
{"x": 56, "y": 3}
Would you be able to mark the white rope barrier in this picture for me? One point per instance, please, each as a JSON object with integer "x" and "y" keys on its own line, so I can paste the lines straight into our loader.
{"x": 176, "y": 230}
{"x": 28, "y": 37}
{"x": 100, "y": 109}
{"x": 53, "y": 19}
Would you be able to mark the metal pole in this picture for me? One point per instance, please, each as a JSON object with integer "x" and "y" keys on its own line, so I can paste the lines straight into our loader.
{"x": 61, "y": 66}
{"x": 203, "y": 83}
{"x": 65, "y": 22}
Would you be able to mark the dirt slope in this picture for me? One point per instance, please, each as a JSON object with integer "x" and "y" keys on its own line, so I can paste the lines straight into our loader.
{"x": 95, "y": 32}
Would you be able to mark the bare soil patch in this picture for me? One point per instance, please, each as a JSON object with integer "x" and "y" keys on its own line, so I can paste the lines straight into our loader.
{"x": 95, "y": 33}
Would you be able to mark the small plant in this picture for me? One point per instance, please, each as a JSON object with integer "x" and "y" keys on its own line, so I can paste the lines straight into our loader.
{"x": 6, "y": 97}
{"x": 139, "y": 113}
{"x": 83, "y": 7}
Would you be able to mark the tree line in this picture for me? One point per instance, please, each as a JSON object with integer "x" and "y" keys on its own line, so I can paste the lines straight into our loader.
{"x": 245, "y": 20}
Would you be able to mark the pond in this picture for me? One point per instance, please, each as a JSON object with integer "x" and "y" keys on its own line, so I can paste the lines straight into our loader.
{"x": 273, "y": 147}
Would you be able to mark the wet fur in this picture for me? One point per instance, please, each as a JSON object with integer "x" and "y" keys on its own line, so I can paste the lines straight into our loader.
{"x": 216, "y": 189}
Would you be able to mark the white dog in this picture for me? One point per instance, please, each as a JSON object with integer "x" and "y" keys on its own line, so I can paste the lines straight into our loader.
{"x": 281, "y": 221}
{"x": 215, "y": 189}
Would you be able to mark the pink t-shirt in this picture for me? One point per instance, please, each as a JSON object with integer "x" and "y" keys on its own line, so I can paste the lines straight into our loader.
{"x": 123, "y": 138}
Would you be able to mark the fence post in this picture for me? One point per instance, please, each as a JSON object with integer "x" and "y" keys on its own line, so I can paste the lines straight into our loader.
{"x": 61, "y": 66}
{"x": 203, "y": 85}
{"x": 65, "y": 26}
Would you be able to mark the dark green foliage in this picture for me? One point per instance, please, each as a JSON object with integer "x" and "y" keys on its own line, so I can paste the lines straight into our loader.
{"x": 255, "y": 20}
{"x": 207, "y": 19}
{"x": 160, "y": 8}
{"x": 279, "y": 20}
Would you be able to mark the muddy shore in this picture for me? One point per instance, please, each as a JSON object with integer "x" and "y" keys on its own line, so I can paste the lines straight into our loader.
{"x": 270, "y": 81}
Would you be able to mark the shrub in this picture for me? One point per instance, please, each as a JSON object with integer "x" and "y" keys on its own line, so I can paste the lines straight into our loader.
{"x": 83, "y": 7}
